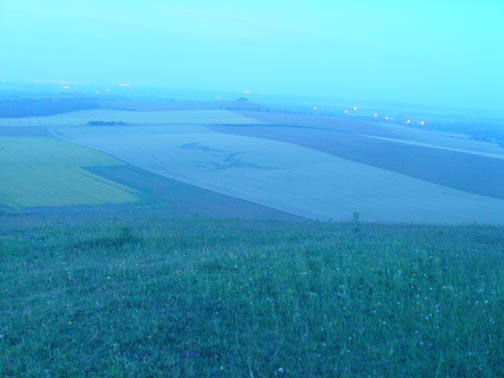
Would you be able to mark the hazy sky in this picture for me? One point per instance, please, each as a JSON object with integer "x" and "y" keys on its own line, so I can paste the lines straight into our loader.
{"x": 428, "y": 52}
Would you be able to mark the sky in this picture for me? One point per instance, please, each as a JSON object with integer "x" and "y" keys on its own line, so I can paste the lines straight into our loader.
{"x": 443, "y": 53}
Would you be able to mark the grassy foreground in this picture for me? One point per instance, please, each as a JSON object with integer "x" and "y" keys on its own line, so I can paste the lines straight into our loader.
{"x": 169, "y": 298}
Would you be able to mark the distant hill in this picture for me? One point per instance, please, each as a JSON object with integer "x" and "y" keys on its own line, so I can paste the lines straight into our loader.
{"x": 24, "y": 107}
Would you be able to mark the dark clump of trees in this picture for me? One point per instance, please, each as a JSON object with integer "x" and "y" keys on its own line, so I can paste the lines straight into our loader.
{"x": 106, "y": 123}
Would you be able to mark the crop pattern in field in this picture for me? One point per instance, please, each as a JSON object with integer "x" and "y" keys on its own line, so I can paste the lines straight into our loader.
{"x": 285, "y": 176}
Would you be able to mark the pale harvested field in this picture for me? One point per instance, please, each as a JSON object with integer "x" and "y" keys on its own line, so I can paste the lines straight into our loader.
{"x": 386, "y": 130}
{"x": 441, "y": 139}
{"x": 81, "y": 118}
{"x": 288, "y": 177}
{"x": 43, "y": 172}
{"x": 467, "y": 151}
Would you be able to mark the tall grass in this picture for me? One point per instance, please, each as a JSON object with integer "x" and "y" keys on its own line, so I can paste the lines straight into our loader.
{"x": 144, "y": 297}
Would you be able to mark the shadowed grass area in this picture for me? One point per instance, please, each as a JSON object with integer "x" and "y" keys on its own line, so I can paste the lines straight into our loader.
{"x": 150, "y": 297}
{"x": 179, "y": 200}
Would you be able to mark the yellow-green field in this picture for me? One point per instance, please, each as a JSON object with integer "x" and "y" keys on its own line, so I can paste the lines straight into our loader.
{"x": 43, "y": 172}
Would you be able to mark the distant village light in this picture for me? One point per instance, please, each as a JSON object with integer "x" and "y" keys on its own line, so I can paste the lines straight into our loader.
{"x": 346, "y": 111}
{"x": 375, "y": 115}
{"x": 355, "y": 108}
{"x": 422, "y": 123}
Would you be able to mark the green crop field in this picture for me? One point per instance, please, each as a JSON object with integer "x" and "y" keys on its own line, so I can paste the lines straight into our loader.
{"x": 197, "y": 298}
{"x": 43, "y": 172}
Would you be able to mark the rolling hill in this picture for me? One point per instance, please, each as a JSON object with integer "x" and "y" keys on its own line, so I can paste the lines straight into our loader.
{"x": 308, "y": 166}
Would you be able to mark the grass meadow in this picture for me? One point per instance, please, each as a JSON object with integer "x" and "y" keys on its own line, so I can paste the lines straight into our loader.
{"x": 136, "y": 297}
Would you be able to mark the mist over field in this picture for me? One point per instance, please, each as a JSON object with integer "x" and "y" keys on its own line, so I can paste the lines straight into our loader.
{"x": 260, "y": 189}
